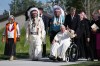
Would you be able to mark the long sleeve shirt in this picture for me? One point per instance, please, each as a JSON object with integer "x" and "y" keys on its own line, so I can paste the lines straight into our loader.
{"x": 11, "y": 32}
{"x": 61, "y": 36}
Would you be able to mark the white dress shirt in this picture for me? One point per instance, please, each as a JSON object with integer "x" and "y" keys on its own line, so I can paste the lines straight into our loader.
{"x": 11, "y": 33}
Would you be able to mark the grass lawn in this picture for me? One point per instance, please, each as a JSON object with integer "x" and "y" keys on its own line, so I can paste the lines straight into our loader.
{"x": 21, "y": 47}
{"x": 88, "y": 63}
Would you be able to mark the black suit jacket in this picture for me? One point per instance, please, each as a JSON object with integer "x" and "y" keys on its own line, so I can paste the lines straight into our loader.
{"x": 46, "y": 20}
{"x": 72, "y": 23}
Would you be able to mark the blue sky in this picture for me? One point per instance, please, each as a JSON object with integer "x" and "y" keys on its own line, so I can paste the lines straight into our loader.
{"x": 4, "y": 4}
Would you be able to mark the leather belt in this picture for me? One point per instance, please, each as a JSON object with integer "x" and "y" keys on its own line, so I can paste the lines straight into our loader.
{"x": 34, "y": 33}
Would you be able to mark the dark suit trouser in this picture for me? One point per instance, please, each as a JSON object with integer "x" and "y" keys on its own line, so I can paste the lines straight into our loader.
{"x": 44, "y": 50}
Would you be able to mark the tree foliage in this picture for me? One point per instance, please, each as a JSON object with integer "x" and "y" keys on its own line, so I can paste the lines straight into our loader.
{"x": 6, "y": 13}
{"x": 18, "y": 6}
{"x": 88, "y": 6}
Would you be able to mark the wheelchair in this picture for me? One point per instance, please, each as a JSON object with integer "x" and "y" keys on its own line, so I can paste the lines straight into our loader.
{"x": 72, "y": 53}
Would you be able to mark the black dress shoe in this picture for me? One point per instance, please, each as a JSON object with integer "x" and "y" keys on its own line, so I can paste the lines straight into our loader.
{"x": 52, "y": 57}
{"x": 98, "y": 59}
{"x": 35, "y": 59}
{"x": 90, "y": 59}
{"x": 59, "y": 59}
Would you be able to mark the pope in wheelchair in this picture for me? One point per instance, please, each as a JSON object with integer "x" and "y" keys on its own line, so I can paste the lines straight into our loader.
{"x": 60, "y": 44}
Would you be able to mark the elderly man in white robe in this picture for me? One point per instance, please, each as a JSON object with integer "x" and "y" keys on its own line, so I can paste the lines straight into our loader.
{"x": 60, "y": 44}
{"x": 35, "y": 33}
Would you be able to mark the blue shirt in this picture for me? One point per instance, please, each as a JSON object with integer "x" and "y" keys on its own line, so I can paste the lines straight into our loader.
{"x": 55, "y": 26}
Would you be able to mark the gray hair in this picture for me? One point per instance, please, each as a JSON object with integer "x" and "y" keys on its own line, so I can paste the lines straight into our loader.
{"x": 62, "y": 26}
{"x": 11, "y": 16}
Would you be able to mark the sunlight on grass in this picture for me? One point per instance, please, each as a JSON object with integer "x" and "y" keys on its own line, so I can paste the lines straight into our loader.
{"x": 21, "y": 48}
{"x": 47, "y": 44}
{"x": 1, "y": 44}
{"x": 88, "y": 63}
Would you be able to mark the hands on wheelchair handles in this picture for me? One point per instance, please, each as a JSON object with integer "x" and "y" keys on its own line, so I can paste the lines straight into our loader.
{"x": 72, "y": 52}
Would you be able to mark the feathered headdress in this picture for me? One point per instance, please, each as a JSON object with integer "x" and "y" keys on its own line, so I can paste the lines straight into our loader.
{"x": 32, "y": 9}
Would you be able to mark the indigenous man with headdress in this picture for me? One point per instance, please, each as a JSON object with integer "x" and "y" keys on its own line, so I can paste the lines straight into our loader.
{"x": 56, "y": 21}
{"x": 35, "y": 33}
{"x": 12, "y": 34}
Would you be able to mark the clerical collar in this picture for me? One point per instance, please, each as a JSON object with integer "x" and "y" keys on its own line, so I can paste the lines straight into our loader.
{"x": 41, "y": 15}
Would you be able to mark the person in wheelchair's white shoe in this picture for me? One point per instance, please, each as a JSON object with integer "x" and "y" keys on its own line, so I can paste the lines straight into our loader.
{"x": 60, "y": 44}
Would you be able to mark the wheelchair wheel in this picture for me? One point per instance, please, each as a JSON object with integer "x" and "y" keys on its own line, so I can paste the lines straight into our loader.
{"x": 72, "y": 53}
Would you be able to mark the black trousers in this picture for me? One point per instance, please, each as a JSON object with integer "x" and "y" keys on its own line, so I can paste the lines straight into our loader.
{"x": 10, "y": 48}
{"x": 89, "y": 51}
{"x": 44, "y": 50}
{"x": 93, "y": 45}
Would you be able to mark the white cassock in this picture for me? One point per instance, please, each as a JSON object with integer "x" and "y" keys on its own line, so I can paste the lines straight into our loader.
{"x": 62, "y": 43}
{"x": 34, "y": 34}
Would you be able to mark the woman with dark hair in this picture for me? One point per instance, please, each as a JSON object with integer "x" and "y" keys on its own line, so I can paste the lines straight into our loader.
{"x": 83, "y": 37}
